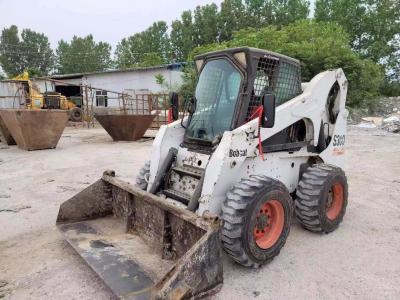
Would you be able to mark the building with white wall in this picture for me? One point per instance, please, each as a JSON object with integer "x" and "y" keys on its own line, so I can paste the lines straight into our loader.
{"x": 130, "y": 81}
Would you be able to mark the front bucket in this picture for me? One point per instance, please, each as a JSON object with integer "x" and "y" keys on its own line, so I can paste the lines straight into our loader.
{"x": 125, "y": 127}
{"x": 5, "y": 135}
{"x": 35, "y": 129}
{"x": 141, "y": 245}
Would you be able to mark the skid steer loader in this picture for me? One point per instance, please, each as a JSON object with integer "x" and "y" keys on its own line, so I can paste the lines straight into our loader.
{"x": 255, "y": 147}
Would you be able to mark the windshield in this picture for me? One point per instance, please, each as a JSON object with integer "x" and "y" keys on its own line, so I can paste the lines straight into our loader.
{"x": 216, "y": 94}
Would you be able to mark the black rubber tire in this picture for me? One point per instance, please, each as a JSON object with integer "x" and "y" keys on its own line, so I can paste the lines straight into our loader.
{"x": 76, "y": 114}
{"x": 238, "y": 215}
{"x": 144, "y": 172}
{"x": 312, "y": 196}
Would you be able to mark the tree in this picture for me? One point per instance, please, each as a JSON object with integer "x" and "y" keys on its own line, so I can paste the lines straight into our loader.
{"x": 39, "y": 58}
{"x": 231, "y": 18}
{"x": 261, "y": 13}
{"x": 138, "y": 49}
{"x": 258, "y": 13}
{"x": 30, "y": 53}
{"x": 177, "y": 44}
{"x": 373, "y": 25}
{"x": 156, "y": 40}
{"x": 289, "y": 11}
{"x": 10, "y": 51}
{"x": 187, "y": 33}
{"x": 151, "y": 59}
{"x": 205, "y": 24}
{"x": 181, "y": 37}
{"x": 83, "y": 55}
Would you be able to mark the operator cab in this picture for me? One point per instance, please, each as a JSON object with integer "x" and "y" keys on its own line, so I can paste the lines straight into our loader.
{"x": 232, "y": 86}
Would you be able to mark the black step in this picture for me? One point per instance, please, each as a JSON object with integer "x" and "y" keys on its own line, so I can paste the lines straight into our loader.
{"x": 181, "y": 197}
{"x": 191, "y": 171}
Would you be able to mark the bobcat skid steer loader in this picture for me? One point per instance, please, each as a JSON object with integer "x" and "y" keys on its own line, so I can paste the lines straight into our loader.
{"x": 255, "y": 148}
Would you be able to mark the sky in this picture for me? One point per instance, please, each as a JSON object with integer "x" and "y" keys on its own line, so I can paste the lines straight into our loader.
{"x": 108, "y": 21}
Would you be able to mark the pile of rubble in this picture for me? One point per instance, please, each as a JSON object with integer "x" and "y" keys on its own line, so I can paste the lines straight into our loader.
{"x": 391, "y": 123}
{"x": 387, "y": 116}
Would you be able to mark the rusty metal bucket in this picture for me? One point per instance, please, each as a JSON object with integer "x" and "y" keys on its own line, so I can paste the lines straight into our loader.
{"x": 125, "y": 127}
{"x": 35, "y": 129}
{"x": 5, "y": 135}
{"x": 141, "y": 245}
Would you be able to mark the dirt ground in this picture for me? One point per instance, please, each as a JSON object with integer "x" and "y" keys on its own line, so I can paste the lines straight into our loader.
{"x": 361, "y": 260}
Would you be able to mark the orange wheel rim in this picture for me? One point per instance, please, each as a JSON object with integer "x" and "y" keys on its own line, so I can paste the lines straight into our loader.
{"x": 269, "y": 224}
{"x": 335, "y": 201}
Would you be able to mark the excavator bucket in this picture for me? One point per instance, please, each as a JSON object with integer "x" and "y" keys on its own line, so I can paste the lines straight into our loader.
{"x": 35, "y": 129}
{"x": 141, "y": 245}
{"x": 125, "y": 127}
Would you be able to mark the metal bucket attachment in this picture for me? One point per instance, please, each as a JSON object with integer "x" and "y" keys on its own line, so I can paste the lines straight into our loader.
{"x": 35, "y": 129}
{"x": 5, "y": 135}
{"x": 125, "y": 127}
{"x": 141, "y": 245}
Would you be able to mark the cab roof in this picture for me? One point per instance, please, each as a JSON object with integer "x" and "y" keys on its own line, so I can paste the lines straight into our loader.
{"x": 250, "y": 51}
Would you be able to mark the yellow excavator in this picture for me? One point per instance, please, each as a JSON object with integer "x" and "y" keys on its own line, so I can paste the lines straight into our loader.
{"x": 48, "y": 100}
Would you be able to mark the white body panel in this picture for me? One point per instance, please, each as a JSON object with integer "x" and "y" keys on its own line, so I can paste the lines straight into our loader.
{"x": 237, "y": 154}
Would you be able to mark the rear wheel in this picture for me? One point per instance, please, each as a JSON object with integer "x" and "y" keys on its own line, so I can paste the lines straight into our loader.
{"x": 143, "y": 177}
{"x": 257, "y": 216}
{"x": 321, "y": 198}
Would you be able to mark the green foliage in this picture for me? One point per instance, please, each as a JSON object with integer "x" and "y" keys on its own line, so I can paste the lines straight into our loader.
{"x": 10, "y": 52}
{"x": 181, "y": 37}
{"x": 231, "y": 18}
{"x": 160, "y": 79}
{"x": 82, "y": 55}
{"x": 31, "y": 52}
{"x": 205, "y": 24}
{"x": 319, "y": 46}
{"x": 373, "y": 25}
{"x": 150, "y": 59}
{"x": 261, "y": 13}
{"x": 39, "y": 57}
{"x": 390, "y": 88}
{"x": 189, "y": 77}
{"x": 139, "y": 49}
{"x": 289, "y": 11}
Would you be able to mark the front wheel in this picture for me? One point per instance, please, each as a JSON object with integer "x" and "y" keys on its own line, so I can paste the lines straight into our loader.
{"x": 257, "y": 216}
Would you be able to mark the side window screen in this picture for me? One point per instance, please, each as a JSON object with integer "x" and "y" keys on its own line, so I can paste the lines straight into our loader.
{"x": 288, "y": 83}
{"x": 267, "y": 71}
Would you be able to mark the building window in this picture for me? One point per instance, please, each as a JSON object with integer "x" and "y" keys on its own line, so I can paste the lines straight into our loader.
{"x": 101, "y": 98}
